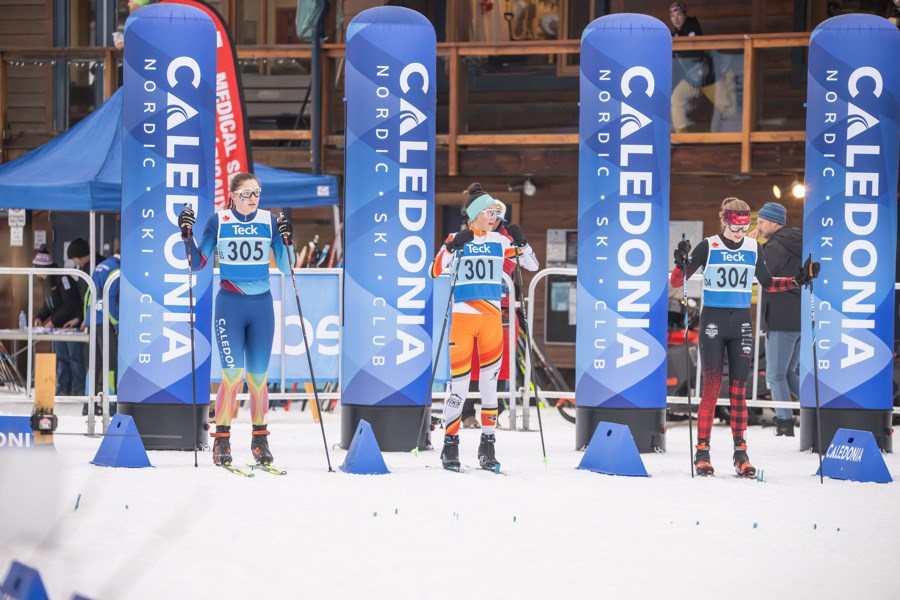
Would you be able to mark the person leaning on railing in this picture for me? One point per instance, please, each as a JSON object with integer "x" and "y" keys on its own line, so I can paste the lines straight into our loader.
{"x": 698, "y": 74}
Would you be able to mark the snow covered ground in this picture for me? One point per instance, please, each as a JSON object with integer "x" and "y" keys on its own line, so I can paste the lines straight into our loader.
{"x": 552, "y": 531}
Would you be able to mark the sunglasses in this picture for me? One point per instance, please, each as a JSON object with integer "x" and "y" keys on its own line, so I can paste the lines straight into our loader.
{"x": 738, "y": 228}
{"x": 248, "y": 192}
{"x": 491, "y": 213}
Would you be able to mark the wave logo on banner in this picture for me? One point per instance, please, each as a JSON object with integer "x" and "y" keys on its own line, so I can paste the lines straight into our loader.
{"x": 233, "y": 153}
{"x": 391, "y": 102}
{"x": 850, "y": 211}
{"x": 168, "y": 118}
{"x": 623, "y": 212}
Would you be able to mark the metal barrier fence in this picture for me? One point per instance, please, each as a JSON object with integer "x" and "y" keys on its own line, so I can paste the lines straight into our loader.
{"x": 31, "y": 336}
{"x": 514, "y": 394}
{"x": 753, "y": 401}
{"x": 283, "y": 395}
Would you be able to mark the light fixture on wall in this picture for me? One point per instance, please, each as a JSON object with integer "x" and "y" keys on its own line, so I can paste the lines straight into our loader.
{"x": 797, "y": 190}
{"x": 528, "y": 188}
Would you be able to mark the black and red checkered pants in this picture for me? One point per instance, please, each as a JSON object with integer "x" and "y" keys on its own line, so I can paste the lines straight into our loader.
{"x": 724, "y": 330}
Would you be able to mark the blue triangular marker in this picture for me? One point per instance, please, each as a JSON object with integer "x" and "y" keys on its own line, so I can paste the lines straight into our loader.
{"x": 854, "y": 455}
{"x": 612, "y": 451}
{"x": 23, "y": 583}
{"x": 122, "y": 446}
{"x": 364, "y": 456}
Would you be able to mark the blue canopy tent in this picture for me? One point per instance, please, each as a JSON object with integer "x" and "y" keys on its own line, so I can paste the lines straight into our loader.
{"x": 82, "y": 170}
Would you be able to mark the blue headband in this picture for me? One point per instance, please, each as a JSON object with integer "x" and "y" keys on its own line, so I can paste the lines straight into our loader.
{"x": 479, "y": 204}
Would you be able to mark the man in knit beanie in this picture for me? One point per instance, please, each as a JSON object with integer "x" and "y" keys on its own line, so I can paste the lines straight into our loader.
{"x": 42, "y": 258}
{"x": 782, "y": 255}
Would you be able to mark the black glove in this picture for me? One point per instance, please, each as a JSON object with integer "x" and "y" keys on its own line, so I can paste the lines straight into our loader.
{"x": 517, "y": 234}
{"x": 808, "y": 272}
{"x": 186, "y": 222}
{"x": 459, "y": 240}
{"x": 682, "y": 251}
{"x": 285, "y": 228}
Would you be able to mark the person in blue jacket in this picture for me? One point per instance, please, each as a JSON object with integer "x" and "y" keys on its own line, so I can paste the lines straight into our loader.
{"x": 79, "y": 252}
{"x": 242, "y": 237}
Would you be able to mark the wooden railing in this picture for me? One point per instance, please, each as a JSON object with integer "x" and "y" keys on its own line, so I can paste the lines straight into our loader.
{"x": 454, "y": 55}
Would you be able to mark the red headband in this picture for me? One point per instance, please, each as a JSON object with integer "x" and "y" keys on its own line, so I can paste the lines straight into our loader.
{"x": 736, "y": 217}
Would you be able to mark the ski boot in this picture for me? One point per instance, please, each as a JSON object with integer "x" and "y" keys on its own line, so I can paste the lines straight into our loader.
{"x": 701, "y": 458}
{"x": 260, "y": 445}
{"x": 450, "y": 453}
{"x": 486, "y": 457}
{"x": 784, "y": 427}
{"x": 741, "y": 461}
{"x": 222, "y": 445}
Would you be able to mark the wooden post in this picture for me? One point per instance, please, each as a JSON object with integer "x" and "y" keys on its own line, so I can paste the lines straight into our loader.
{"x": 453, "y": 113}
{"x": 109, "y": 74}
{"x": 747, "y": 119}
{"x": 325, "y": 66}
{"x": 3, "y": 94}
{"x": 757, "y": 16}
{"x": 44, "y": 390}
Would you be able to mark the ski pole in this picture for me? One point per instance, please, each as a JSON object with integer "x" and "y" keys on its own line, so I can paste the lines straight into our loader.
{"x": 428, "y": 403}
{"x": 188, "y": 243}
{"x": 687, "y": 356}
{"x": 812, "y": 306}
{"x": 312, "y": 376}
{"x": 537, "y": 400}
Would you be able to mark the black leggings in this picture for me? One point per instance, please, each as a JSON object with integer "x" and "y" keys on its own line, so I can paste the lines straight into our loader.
{"x": 725, "y": 330}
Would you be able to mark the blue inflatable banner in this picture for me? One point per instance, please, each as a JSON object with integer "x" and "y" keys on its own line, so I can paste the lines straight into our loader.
{"x": 169, "y": 146}
{"x": 389, "y": 221}
{"x": 850, "y": 211}
{"x": 623, "y": 213}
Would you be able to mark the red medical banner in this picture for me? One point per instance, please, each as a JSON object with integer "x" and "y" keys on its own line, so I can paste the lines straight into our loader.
{"x": 233, "y": 152}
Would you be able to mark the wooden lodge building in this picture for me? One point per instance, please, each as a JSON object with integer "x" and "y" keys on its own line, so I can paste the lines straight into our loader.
{"x": 507, "y": 105}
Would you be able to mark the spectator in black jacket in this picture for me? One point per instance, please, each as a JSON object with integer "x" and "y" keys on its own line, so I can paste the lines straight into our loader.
{"x": 62, "y": 306}
{"x": 782, "y": 255}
